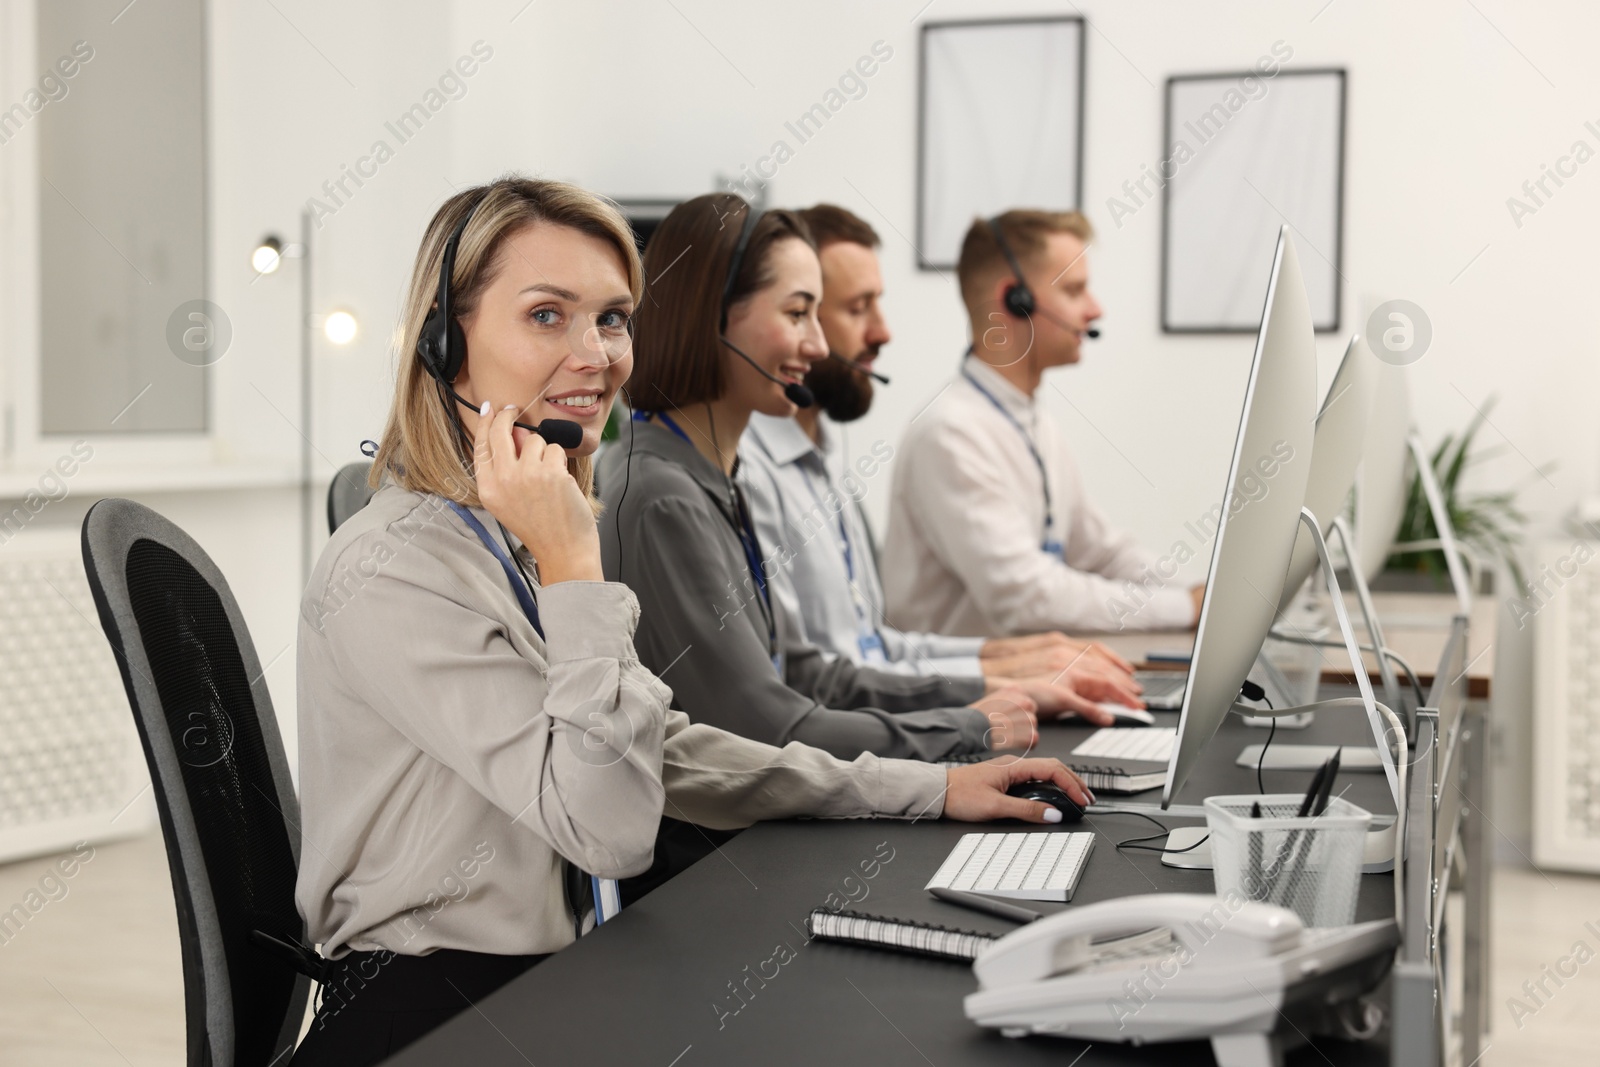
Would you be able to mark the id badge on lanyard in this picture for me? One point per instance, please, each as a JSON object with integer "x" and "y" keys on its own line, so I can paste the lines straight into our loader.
{"x": 868, "y": 641}
{"x": 1051, "y": 543}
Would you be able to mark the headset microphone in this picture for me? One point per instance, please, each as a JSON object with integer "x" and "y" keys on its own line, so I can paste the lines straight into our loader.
{"x": 862, "y": 368}
{"x": 563, "y": 433}
{"x": 797, "y": 394}
{"x": 1091, "y": 334}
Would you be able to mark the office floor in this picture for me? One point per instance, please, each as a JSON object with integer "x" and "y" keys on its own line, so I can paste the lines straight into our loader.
{"x": 93, "y": 977}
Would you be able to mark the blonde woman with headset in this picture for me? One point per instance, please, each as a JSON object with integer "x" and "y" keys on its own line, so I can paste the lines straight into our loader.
{"x": 480, "y": 747}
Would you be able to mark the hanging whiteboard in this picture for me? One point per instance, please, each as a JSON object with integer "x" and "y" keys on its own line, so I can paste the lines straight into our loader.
{"x": 1000, "y": 125}
{"x": 1243, "y": 154}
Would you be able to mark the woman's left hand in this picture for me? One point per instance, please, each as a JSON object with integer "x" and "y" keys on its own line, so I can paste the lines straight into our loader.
{"x": 1074, "y": 693}
{"x": 977, "y": 792}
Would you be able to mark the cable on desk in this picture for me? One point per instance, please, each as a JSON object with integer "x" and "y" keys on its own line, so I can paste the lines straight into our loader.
{"x": 1272, "y": 731}
{"x": 1136, "y": 842}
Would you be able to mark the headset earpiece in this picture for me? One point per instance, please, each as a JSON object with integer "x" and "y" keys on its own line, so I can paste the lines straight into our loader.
{"x": 1018, "y": 298}
{"x": 442, "y": 346}
{"x": 442, "y": 343}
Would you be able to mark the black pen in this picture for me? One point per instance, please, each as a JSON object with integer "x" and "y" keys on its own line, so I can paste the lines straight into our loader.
{"x": 1327, "y": 786}
{"x": 1291, "y": 847}
{"x": 1255, "y": 891}
{"x": 989, "y": 905}
{"x": 1313, "y": 790}
{"x": 1316, "y": 800}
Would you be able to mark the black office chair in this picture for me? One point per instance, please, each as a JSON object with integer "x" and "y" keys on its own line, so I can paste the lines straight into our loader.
{"x": 222, "y": 786}
{"x": 348, "y": 493}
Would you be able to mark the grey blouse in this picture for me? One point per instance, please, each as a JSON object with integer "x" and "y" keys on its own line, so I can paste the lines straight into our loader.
{"x": 670, "y": 532}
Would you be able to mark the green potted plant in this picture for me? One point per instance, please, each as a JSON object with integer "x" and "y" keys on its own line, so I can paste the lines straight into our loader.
{"x": 1487, "y": 524}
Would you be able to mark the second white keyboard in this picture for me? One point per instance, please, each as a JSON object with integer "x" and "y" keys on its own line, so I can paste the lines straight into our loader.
{"x": 1025, "y": 866}
{"x": 1146, "y": 743}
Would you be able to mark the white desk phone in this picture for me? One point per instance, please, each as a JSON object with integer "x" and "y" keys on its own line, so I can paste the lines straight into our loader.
{"x": 1181, "y": 967}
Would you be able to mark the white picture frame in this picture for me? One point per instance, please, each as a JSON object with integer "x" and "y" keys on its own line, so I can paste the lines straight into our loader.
{"x": 1243, "y": 154}
{"x": 987, "y": 86}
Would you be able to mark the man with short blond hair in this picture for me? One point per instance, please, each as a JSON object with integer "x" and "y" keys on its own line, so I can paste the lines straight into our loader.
{"x": 992, "y": 534}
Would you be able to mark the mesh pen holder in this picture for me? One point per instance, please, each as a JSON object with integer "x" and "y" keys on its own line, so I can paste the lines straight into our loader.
{"x": 1311, "y": 865}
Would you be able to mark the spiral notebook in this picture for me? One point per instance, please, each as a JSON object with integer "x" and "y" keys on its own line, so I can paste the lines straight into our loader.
{"x": 943, "y": 942}
{"x": 1122, "y": 776}
{"x": 904, "y": 935}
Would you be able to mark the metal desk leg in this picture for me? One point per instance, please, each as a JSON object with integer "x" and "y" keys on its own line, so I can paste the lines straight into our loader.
{"x": 1475, "y": 920}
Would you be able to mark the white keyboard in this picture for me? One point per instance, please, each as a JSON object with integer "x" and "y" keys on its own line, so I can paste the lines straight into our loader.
{"x": 1146, "y": 743}
{"x": 1025, "y": 866}
{"x": 1163, "y": 690}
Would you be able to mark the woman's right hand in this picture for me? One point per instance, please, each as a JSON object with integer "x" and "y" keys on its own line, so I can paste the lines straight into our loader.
{"x": 523, "y": 481}
{"x": 1012, "y": 723}
{"x": 978, "y": 792}
{"x": 1053, "y": 651}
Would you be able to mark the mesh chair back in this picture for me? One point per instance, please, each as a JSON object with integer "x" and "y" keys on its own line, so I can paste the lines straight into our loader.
{"x": 348, "y": 493}
{"x": 222, "y": 786}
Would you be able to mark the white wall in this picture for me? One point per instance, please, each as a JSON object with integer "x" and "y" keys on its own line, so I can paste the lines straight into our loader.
{"x": 297, "y": 89}
{"x": 1445, "y": 120}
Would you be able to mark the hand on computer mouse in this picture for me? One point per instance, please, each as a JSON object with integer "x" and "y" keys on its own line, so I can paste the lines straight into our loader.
{"x": 1051, "y": 794}
{"x": 977, "y": 792}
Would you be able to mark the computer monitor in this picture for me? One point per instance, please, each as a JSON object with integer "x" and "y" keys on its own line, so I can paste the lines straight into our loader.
{"x": 1382, "y": 485}
{"x": 644, "y": 215}
{"x": 1335, "y": 454}
{"x": 1260, "y": 514}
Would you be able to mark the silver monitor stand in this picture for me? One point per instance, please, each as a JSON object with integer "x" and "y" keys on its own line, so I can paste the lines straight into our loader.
{"x": 1387, "y": 730}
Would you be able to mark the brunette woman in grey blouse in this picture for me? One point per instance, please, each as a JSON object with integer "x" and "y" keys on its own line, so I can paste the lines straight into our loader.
{"x": 728, "y": 328}
{"x": 474, "y": 721}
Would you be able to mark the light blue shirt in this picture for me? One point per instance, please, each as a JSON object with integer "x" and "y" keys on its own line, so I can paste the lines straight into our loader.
{"x": 818, "y": 552}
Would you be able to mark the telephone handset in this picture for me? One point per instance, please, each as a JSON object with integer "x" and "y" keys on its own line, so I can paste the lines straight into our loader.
{"x": 1177, "y": 967}
{"x": 1063, "y": 943}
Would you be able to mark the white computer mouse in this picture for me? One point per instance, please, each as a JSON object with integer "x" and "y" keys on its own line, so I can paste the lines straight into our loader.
{"x": 1126, "y": 716}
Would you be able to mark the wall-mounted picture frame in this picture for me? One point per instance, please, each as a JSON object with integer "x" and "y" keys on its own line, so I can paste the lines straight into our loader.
{"x": 988, "y": 86}
{"x": 1242, "y": 154}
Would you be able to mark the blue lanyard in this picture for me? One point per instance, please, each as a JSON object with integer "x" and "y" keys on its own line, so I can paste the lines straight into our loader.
{"x": 868, "y": 639}
{"x": 604, "y": 890}
{"x": 747, "y": 540}
{"x": 844, "y": 533}
{"x": 1027, "y": 439}
{"x": 530, "y": 607}
{"x": 644, "y": 416}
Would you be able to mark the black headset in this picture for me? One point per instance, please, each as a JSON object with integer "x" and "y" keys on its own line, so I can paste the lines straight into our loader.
{"x": 751, "y": 217}
{"x": 442, "y": 343}
{"x": 1018, "y": 297}
{"x": 442, "y": 348}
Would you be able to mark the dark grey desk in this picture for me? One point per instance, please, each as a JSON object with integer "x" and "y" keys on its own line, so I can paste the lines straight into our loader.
{"x": 655, "y": 987}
